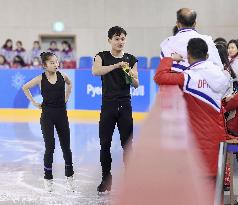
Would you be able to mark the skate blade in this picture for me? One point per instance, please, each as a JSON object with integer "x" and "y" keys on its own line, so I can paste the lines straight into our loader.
{"x": 105, "y": 193}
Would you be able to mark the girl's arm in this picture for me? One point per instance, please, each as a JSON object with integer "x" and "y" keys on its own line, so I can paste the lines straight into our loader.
{"x": 26, "y": 89}
{"x": 68, "y": 87}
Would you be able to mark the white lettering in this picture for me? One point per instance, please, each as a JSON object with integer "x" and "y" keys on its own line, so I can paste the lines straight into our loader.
{"x": 93, "y": 91}
{"x": 140, "y": 91}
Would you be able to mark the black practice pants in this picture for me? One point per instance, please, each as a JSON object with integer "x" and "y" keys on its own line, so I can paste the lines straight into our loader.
{"x": 114, "y": 112}
{"x": 57, "y": 117}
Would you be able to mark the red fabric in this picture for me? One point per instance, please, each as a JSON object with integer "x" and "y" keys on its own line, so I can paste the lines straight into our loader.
{"x": 207, "y": 124}
{"x": 164, "y": 75}
{"x": 209, "y": 130}
{"x": 232, "y": 104}
{"x": 232, "y": 124}
{"x": 69, "y": 64}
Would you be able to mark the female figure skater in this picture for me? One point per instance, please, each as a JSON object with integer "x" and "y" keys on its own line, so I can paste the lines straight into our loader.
{"x": 52, "y": 85}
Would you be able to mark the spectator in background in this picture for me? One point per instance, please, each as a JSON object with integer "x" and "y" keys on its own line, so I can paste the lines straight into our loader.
{"x": 3, "y": 62}
{"x": 34, "y": 52}
{"x": 222, "y": 50}
{"x": 54, "y": 48}
{"x": 223, "y": 53}
{"x": 18, "y": 62}
{"x": 220, "y": 40}
{"x": 36, "y": 63}
{"x": 20, "y": 51}
{"x": 230, "y": 102}
{"x": 67, "y": 55}
{"x": 232, "y": 48}
{"x": 7, "y": 50}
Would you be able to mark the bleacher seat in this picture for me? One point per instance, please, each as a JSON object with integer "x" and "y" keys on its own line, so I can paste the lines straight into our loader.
{"x": 142, "y": 62}
{"x": 154, "y": 62}
{"x": 85, "y": 62}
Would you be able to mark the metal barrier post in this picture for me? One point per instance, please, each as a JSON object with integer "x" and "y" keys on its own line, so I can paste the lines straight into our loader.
{"x": 220, "y": 173}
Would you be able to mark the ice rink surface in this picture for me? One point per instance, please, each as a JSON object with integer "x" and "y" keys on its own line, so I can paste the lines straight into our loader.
{"x": 21, "y": 162}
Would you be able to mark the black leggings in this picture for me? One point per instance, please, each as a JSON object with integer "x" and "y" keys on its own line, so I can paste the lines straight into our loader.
{"x": 57, "y": 117}
{"x": 114, "y": 112}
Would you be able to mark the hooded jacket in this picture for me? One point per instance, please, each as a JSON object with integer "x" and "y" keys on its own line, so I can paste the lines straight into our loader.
{"x": 204, "y": 85}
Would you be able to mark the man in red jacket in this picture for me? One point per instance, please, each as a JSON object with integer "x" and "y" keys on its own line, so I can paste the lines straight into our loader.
{"x": 204, "y": 85}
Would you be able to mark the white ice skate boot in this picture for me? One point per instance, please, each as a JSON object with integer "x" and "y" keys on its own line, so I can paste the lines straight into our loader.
{"x": 48, "y": 183}
{"x": 70, "y": 185}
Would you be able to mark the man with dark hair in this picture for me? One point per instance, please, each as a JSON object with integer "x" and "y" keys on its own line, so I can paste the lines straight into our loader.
{"x": 118, "y": 71}
{"x": 197, "y": 49}
{"x": 116, "y": 30}
{"x": 186, "y": 22}
{"x": 203, "y": 85}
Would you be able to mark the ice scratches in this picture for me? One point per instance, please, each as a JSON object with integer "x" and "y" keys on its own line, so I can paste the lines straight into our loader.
{"x": 32, "y": 151}
{"x": 23, "y": 145}
{"x": 53, "y": 199}
{"x": 22, "y": 188}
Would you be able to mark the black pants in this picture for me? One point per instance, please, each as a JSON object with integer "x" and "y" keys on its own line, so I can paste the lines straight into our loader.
{"x": 114, "y": 112}
{"x": 57, "y": 117}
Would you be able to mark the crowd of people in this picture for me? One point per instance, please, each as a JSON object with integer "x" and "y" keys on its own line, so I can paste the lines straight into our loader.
{"x": 206, "y": 71}
{"x": 19, "y": 57}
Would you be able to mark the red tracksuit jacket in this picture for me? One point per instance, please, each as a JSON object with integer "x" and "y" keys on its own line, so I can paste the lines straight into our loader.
{"x": 206, "y": 123}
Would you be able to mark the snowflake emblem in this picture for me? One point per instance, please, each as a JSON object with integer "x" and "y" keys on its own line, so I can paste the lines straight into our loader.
{"x": 18, "y": 80}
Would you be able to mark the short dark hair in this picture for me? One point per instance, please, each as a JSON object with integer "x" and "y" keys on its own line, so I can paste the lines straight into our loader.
{"x": 220, "y": 40}
{"x": 18, "y": 59}
{"x": 197, "y": 48}
{"x": 186, "y": 19}
{"x": 45, "y": 57}
{"x": 116, "y": 30}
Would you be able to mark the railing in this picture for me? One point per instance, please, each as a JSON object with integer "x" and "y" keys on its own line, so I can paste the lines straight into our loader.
{"x": 164, "y": 167}
{"x": 226, "y": 154}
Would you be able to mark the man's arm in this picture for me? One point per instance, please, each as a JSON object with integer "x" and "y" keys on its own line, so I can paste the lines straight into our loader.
{"x": 98, "y": 69}
{"x": 164, "y": 75}
{"x": 134, "y": 75}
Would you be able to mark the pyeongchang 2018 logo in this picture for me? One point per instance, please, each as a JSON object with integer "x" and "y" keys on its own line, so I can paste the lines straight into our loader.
{"x": 94, "y": 91}
{"x": 18, "y": 80}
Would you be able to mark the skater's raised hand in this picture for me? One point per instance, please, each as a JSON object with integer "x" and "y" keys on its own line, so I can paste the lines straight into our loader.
{"x": 122, "y": 64}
